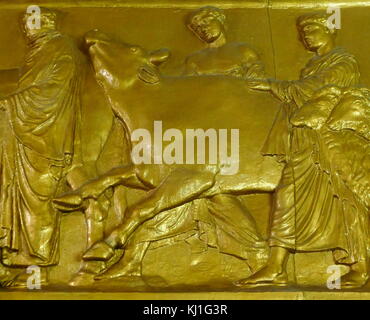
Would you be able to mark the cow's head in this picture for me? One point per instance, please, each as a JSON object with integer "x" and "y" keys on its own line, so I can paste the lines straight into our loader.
{"x": 352, "y": 112}
{"x": 118, "y": 65}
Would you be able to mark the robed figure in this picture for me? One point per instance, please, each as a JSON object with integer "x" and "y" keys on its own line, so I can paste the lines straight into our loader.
{"x": 38, "y": 145}
{"x": 311, "y": 211}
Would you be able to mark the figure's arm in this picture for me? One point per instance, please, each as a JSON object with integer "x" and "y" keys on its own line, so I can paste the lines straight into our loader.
{"x": 298, "y": 91}
{"x": 343, "y": 73}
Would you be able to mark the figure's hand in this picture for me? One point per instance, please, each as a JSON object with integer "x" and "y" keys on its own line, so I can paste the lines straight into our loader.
{"x": 259, "y": 84}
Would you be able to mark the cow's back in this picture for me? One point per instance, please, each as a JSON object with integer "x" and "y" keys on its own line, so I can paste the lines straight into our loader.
{"x": 206, "y": 102}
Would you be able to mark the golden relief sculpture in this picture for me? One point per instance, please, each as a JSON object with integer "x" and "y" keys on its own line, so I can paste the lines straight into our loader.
{"x": 132, "y": 169}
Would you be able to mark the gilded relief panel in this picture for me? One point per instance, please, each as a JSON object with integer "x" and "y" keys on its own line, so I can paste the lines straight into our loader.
{"x": 189, "y": 146}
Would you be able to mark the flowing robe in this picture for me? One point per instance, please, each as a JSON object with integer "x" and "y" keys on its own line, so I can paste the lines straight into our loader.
{"x": 310, "y": 208}
{"x": 41, "y": 129}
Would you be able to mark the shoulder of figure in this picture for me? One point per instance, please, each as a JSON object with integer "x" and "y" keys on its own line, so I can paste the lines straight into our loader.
{"x": 342, "y": 53}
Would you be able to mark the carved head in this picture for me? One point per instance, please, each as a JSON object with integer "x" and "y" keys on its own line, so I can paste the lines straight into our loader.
{"x": 314, "y": 31}
{"x": 48, "y": 21}
{"x": 352, "y": 112}
{"x": 118, "y": 65}
{"x": 207, "y": 23}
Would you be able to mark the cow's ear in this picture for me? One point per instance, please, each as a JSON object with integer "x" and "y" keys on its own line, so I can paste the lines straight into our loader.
{"x": 160, "y": 56}
{"x": 149, "y": 74}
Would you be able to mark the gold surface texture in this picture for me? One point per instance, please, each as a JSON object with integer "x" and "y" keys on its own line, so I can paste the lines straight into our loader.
{"x": 217, "y": 149}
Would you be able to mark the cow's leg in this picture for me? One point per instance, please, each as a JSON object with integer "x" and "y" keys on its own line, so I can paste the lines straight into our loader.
{"x": 125, "y": 175}
{"x": 179, "y": 187}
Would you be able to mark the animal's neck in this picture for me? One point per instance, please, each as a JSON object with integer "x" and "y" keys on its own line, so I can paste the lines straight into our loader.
{"x": 124, "y": 101}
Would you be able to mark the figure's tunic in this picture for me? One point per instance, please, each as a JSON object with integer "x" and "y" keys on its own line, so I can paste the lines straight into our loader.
{"x": 41, "y": 117}
{"x": 309, "y": 212}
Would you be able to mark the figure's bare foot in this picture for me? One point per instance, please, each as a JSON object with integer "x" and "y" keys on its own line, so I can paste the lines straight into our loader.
{"x": 267, "y": 276}
{"x": 100, "y": 251}
{"x": 354, "y": 279}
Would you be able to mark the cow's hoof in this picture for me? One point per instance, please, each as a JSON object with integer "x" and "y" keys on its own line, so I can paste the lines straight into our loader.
{"x": 264, "y": 277}
{"x": 100, "y": 251}
{"x": 68, "y": 202}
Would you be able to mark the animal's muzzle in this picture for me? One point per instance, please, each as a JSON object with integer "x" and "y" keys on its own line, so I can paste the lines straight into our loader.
{"x": 95, "y": 36}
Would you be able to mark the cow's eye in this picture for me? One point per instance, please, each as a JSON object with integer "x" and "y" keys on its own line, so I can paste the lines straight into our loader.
{"x": 134, "y": 49}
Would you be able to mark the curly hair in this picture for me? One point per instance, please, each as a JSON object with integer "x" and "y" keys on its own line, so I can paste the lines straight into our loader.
{"x": 196, "y": 17}
{"x": 320, "y": 18}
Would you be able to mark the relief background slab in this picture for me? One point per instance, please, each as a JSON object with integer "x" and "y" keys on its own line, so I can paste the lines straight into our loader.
{"x": 269, "y": 27}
